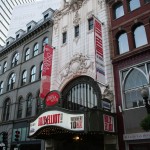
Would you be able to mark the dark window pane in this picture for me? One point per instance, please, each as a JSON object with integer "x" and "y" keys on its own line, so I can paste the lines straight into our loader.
{"x": 90, "y": 23}
{"x": 76, "y": 31}
{"x": 64, "y": 37}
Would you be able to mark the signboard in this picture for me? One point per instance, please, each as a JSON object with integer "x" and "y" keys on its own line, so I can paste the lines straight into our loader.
{"x": 108, "y": 123}
{"x": 52, "y": 98}
{"x": 106, "y": 105}
{"x": 100, "y": 72}
{"x": 73, "y": 122}
{"x": 46, "y": 72}
{"x": 136, "y": 136}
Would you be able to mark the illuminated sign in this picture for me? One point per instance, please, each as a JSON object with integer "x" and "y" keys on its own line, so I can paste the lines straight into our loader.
{"x": 73, "y": 122}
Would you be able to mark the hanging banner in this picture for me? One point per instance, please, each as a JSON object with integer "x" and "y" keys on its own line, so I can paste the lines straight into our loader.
{"x": 100, "y": 72}
{"x": 46, "y": 71}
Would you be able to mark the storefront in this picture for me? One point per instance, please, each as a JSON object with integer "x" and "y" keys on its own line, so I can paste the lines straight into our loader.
{"x": 73, "y": 123}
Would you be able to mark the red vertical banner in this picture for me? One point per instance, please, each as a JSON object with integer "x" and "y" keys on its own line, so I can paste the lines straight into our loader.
{"x": 46, "y": 71}
{"x": 99, "y": 61}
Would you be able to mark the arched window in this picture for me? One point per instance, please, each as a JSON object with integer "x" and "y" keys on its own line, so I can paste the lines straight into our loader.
{"x": 40, "y": 104}
{"x": 118, "y": 10}
{"x": 140, "y": 36}
{"x": 20, "y": 108}
{"x": 24, "y": 77}
{"x": 122, "y": 42}
{"x": 41, "y": 68}
{"x": 6, "y": 109}
{"x": 15, "y": 60}
{"x": 45, "y": 41}
{"x": 81, "y": 93}
{"x": 4, "y": 66}
{"x": 33, "y": 73}
{"x": 29, "y": 106}
{"x": 11, "y": 82}
{"x": 147, "y": 1}
{"x": 27, "y": 54}
{"x": 36, "y": 49}
{"x": 134, "y": 81}
{"x": 1, "y": 87}
{"x": 133, "y": 4}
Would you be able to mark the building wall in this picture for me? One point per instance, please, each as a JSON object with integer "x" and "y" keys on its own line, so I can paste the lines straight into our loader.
{"x": 20, "y": 45}
{"x": 129, "y": 118}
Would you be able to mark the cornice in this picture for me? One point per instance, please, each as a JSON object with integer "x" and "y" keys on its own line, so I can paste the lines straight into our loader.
{"x": 139, "y": 51}
{"x": 27, "y": 36}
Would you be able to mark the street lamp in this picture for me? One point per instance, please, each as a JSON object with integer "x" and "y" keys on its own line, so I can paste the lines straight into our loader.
{"x": 145, "y": 95}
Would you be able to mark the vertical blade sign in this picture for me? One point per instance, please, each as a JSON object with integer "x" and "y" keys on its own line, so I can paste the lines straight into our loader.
{"x": 100, "y": 70}
{"x": 46, "y": 71}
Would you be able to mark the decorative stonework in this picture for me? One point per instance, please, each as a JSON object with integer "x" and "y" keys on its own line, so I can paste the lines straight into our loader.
{"x": 90, "y": 14}
{"x": 76, "y": 19}
{"x": 79, "y": 64}
{"x": 64, "y": 29}
{"x": 108, "y": 94}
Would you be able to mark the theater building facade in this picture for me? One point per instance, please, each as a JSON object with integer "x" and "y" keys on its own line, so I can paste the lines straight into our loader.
{"x": 79, "y": 107}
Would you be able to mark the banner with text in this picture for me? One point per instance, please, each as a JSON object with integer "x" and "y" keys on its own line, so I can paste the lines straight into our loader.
{"x": 100, "y": 70}
{"x": 73, "y": 122}
{"x": 46, "y": 71}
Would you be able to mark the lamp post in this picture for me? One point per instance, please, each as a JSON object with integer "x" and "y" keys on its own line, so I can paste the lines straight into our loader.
{"x": 145, "y": 95}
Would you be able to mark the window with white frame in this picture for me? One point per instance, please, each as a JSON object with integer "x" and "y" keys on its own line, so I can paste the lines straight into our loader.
{"x": 33, "y": 73}
{"x": 36, "y": 49}
{"x": 24, "y": 77}
{"x": 20, "y": 108}
{"x": 1, "y": 87}
{"x": 133, "y": 80}
{"x": 15, "y": 60}
{"x": 29, "y": 106}
{"x": 27, "y": 54}
{"x": 45, "y": 41}
{"x": 11, "y": 82}
{"x": 4, "y": 66}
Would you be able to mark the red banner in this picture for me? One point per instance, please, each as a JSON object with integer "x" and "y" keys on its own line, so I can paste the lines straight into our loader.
{"x": 99, "y": 61}
{"x": 46, "y": 72}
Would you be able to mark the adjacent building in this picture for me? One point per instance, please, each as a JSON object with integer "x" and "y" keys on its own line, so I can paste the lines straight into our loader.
{"x": 6, "y": 9}
{"x": 21, "y": 62}
{"x": 130, "y": 49}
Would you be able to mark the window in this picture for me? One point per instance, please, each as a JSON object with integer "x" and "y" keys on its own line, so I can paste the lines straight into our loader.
{"x": 147, "y": 1}
{"x": 1, "y": 87}
{"x": 20, "y": 108}
{"x": 133, "y": 4}
{"x": 41, "y": 68}
{"x": 15, "y": 60}
{"x": 24, "y": 77}
{"x": 122, "y": 42}
{"x": 4, "y": 67}
{"x": 17, "y": 36}
{"x": 40, "y": 104}
{"x": 76, "y": 31}
{"x": 90, "y": 23}
{"x": 134, "y": 81}
{"x": 79, "y": 94}
{"x": 29, "y": 106}
{"x": 118, "y": 10}
{"x": 64, "y": 36}
{"x": 6, "y": 110}
{"x": 46, "y": 16}
{"x": 29, "y": 28}
{"x": 27, "y": 54}
{"x": 36, "y": 49}
{"x": 33, "y": 73}
{"x": 45, "y": 41}
{"x": 140, "y": 36}
{"x": 11, "y": 82}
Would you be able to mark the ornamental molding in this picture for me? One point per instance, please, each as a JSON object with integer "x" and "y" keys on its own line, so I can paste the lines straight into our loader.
{"x": 79, "y": 64}
{"x": 76, "y": 19}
